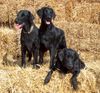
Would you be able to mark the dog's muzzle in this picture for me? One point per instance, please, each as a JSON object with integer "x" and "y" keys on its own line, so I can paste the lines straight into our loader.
{"x": 19, "y": 26}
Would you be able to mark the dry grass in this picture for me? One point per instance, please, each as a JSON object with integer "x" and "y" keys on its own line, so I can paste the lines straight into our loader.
{"x": 67, "y": 10}
{"x": 13, "y": 79}
{"x": 10, "y": 8}
{"x": 17, "y": 80}
{"x": 9, "y": 45}
{"x": 82, "y": 11}
{"x": 83, "y": 37}
{"x": 80, "y": 21}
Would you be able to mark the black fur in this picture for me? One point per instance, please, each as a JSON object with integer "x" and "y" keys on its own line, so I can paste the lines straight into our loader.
{"x": 68, "y": 61}
{"x": 51, "y": 37}
{"x": 29, "y": 38}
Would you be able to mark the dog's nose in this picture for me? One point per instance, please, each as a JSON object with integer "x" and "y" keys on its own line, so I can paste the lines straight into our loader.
{"x": 48, "y": 17}
{"x": 69, "y": 65}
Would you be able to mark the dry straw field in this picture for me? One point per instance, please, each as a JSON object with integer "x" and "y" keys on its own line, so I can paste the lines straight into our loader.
{"x": 80, "y": 20}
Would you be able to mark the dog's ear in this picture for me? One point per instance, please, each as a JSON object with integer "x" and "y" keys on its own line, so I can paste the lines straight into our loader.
{"x": 78, "y": 61}
{"x": 31, "y": 17}
{"x": 76, "y": 56}
{"x": 61, "y": 55}
{"x": 40, "y": 12}
{"x": 53, "y": 14}
{"x": 82, "y": 65}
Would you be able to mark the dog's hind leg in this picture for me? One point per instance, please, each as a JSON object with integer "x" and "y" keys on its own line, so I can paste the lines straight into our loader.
{"x": 23, "y": 52}
{"x": 29, "y": 56}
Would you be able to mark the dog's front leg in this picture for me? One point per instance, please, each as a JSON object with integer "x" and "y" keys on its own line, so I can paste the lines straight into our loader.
{"x": 41, "y": 54}
{"x": 36, "y": 63}
{"x": 23, "y": 53}
{"x": 52, "y": 65}
{"x": 74, "y": 82}
{"x": 52, "y": 57}
{"x": 48, "y": 77}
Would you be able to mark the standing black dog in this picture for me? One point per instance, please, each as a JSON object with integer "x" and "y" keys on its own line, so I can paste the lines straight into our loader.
{"x": 29, "y": 36}
{"x": 68, "y": 61}
{"x": 51, "y": 37}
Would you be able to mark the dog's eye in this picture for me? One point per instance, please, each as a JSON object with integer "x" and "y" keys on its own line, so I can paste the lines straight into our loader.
{"x": 22, "y": 15}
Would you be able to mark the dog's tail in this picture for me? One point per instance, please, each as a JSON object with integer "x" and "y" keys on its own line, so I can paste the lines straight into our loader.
{"x": 82, "y": 65}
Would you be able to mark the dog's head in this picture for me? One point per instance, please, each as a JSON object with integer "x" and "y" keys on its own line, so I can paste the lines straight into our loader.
{"x": 68, "y": 57}
{"x": 23, "y": 18}
{"x": 46, "y": 14}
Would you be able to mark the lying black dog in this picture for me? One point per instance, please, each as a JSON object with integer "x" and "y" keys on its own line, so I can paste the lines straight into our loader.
{"x": 29, "y": 36}
{"x": 67, "y": 61}
{"x": 51, "y": 37}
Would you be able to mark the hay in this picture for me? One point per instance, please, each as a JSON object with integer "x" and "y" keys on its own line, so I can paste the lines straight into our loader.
{"x": 80, "y": 21}
{"x": 17, "y": 80}
{"x": 91, "y": 1}
{"x": 11, "y": 7}
{"x": 82, "y": 37}
{"x": 8, "y": 45}
{"x": 69, "y": 5}
{"x": 82, "y": 11}
{"x": 86, "y": 12}
{"x": 67, "y": 10}
{"x": 3, "y": 15}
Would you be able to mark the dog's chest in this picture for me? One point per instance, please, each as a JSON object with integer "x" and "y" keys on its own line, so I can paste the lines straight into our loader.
{"x": 47, "y": 38}
{"x": 28, "y": 40}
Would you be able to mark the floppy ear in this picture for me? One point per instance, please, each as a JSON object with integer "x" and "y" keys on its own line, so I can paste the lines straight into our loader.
{"x": 78, "y": 62}
{"x": 53, "y": 14}
{"x": 31, "y": 17}
{"x": 82, "y": 65}
{"x": 76, "y": 56}
{"x": 40, "y": 12}
{"x": 61, "y": 55}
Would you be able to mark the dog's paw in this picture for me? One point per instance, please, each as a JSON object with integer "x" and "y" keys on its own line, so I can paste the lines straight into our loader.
{"x": 74, "y": 83}
{"x": 48, "y": 77}
{"x": 75, "y": 87}
{"x": 46, "y": 81}
{"x": 23, "y": 66}
{"x": 36, "y": 66}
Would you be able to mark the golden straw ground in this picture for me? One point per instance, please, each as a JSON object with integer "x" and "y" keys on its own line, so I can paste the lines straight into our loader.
{"x": 80, "y": 21}
{"x": 16, "y": 80}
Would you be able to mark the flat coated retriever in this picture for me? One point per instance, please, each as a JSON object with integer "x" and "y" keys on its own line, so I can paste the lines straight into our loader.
{"x": 29, "y": 36}
{"x": 67, "y": 61}
{"x": 51, "y": 37}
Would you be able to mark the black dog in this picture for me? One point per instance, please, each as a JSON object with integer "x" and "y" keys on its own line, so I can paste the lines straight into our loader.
{"x": 51, "y": 37}
{"x": 29, "y": 36}
{"x": 68, "y": 61}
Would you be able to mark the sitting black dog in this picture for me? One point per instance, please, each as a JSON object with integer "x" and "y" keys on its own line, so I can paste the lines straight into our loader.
{"x": 29, "y": 36}
{"x": 67, "y": 61}
{"x": 51, "y": 37}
